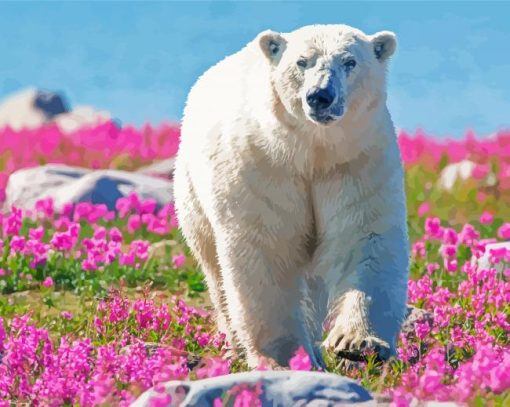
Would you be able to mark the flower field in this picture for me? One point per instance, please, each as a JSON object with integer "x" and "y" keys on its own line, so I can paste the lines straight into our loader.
{"x": 97, "y": 306}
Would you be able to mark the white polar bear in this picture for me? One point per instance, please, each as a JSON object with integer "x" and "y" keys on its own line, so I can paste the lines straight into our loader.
{"x": 289, "y": 191}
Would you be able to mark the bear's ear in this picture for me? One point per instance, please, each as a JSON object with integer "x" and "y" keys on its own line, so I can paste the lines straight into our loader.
{"x": 385, "y": 43}
{"x": 272, "y": 45}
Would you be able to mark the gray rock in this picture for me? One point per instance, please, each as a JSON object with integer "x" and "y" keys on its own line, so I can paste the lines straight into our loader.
{"x": 280, "y": 388}
{"x": 82, "y": 116}
{"x": 32, "y": 108}
{"x": 21, "y": 110}
{"x": 73, "y": 184}
{"x": 462, "y": 171}
{"x": 455, "y": 172}
{"x": 159, "y": 168}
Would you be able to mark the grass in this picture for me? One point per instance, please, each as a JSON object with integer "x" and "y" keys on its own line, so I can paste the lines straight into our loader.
{"x": 74, "y": 275}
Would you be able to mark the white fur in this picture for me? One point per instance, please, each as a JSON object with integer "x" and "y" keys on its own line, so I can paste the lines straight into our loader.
{"x": 293, "y": 221}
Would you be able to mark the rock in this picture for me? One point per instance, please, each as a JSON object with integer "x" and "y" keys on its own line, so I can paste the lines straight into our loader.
{"x": 484, "y": 261}
{"x": 31, "y": 108}
{"x": 462, "y": 171}
{"x": 281, "y": 388}
{"x": 73, "y": 184}
{"x": 164, "y": 168}
{"x": 50, "y": 103}
{"x": 79, "y": 117}
{"x": 453, "y": 172}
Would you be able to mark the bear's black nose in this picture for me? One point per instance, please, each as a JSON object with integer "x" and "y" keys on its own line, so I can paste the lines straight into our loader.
{"x": 319, "y": 98}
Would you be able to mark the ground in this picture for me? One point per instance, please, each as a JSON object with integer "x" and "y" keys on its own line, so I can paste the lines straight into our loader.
{"x": 82, "y": 308}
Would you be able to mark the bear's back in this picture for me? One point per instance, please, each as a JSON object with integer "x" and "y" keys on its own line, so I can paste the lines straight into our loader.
{"x": 227, "y": 94}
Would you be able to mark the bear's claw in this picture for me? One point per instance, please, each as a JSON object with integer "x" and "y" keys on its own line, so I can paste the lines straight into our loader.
{"x": 356, "y": 346}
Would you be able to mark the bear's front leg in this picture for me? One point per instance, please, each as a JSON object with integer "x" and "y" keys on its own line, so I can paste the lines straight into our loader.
{"x": 368, "y": 304}
{"x": 263, "y": 297}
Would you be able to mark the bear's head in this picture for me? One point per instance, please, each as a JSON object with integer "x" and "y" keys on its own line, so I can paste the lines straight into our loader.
{"x": 322, "y": 73}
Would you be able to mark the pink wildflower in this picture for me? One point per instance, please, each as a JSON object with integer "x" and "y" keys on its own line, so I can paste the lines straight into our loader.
{"x": 115, "y": 234}
{"x": 66, "y": 315}
{"x": 300, "y": 360}
{"x": 178, "y": 260}
{"x": 134, "y": 223}
{"x": 504, "y": 231}
{"x": 480, "y": 171}
{"x": 422, "y": 329}
{"x": 48, "y": 282}
{"x": 486, "y": 218}
{"x": 424, "y": 208}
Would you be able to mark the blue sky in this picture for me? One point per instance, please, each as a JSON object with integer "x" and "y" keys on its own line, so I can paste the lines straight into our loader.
{"x": 139, "y": 59}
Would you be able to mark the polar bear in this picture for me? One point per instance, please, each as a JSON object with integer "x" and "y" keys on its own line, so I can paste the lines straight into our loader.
{"x": 288, "y": 188}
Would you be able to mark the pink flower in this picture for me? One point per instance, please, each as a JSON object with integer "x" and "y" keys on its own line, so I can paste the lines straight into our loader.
{"x": 263, "y": 365}
{"x": 498, "y": 254}
{"x": 504, "y": 231}
{"x": 99, "y": 233}
{"x": 431, "y": 267}
{"x": 66, "y": 315}
{"x": 449, "y": 250}
{"x": 134, "y": 223}
{"x": 123, "y": 207}
{"x": 504, "y": 176}
{"x": 422, "y": 329}
{"x": 247, "y": 398}
{"x": 45, "y": 207}
{"x": 62, "y": 241}
{"x": 300, "y": 360}
{"x": 481, "y": 196}
{"x": 418, "y": 250}
{"x": 115, "y": 234}
{"x": 89, "y": 264}
{"x": 433, "y": 228}
{"x": 148, "y": 206}
{"x": 214, "y": 367}
{"x": 67, "y": 209}
{"x": 450, "y": 265}
{"x": 450, "y": 236}
{"x": 430, "y": 382}
{"x": 468, "y": 234}
{"x": 82, "y": 211}
{"x": 140, "y": 248}
{"x": 134, "y": 201}
{"x": 480, "y": 171}
{"x": 17, "y": 244}
{"x": 178, "y": 260}
{"x": 48, "y": 282}
{"x": 36, "y": 234}
{"x": 12, "y": 222}
{"x": 486, "y": 218}
{"x": 423, "y": 208}
{"x": 163, "y": 400}
{"x": 127, "y": 259}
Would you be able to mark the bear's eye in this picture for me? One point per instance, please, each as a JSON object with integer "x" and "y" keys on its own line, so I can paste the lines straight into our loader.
{"x": 350, "y": 64}
{"x": 301, "y": 63}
